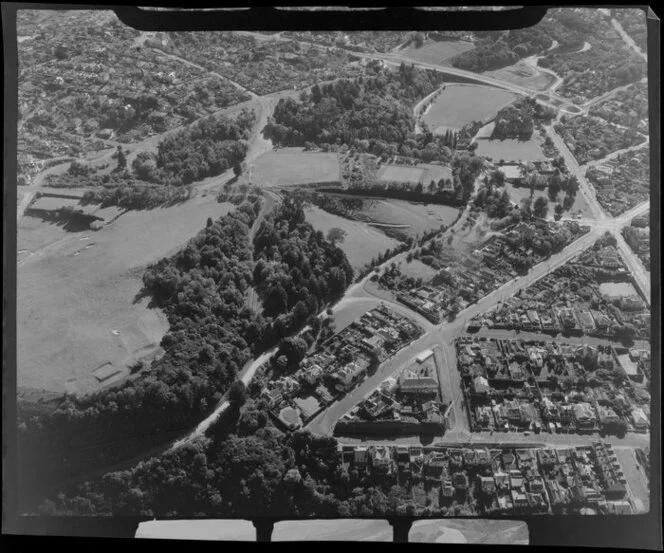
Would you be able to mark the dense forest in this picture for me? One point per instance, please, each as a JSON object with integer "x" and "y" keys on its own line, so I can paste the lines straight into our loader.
{"x": 207, "y": 148}
{"x": 254, "y": 471}
{"x": 376, "y": 109}
{"x": 518, "y": 119}
{"x": 297, "y": 269}
{"x": 496, "y": 49}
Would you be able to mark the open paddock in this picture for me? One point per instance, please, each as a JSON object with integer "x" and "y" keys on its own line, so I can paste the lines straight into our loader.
{"x": 423, "y": 173}
{"x": 460, "y": 104}
{"x": 437, "y": 52}
{"x": 362, "y": 242}
{"x": 419, "y": 217}
{"x": 522, "y": 74}
{"x": 293, "y": 166}
{"x": 75, "y": 294}
{"x": 511, "y": 149}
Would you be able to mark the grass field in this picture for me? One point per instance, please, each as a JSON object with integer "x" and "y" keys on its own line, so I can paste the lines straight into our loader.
{"x": 460, "y": 104}
{"x": 522, "y": 74}
{"x": 579, "y": 208}
{"x": 420, "y": 218}
{"x": 292, "y": 166}
{"x": 511, "y": 149}
{"x": 75, "y": 293}
{"x": 424, "y": 173}
{"x": 437, "y": 52}
{"x": 362, "y": 242}
{"x": 417, "y": 269}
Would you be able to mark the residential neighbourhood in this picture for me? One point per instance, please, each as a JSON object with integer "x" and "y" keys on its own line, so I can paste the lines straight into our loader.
{"x": 334, "y": 274}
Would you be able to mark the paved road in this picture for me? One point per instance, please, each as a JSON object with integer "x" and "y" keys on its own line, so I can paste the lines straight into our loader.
{"x": 628, "y": 39}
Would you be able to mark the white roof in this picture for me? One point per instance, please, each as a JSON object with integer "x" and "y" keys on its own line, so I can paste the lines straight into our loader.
{"x": 423, "y": 356}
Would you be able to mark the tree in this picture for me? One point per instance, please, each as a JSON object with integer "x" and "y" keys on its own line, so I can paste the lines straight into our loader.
{"x": 336, "y": 234}
{"x": 237, "y": 169}
{"x": 558, "y": 212}
{"x": 541, "y": 207}
{"x": 61, "y": 52}
{"x": 122, "y": 159}
{"x": 237, "y": 394}
{"x": 209, "y": 222}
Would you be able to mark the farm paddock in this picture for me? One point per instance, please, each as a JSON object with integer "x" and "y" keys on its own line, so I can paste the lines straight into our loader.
{"x": 293, "y": 166}
{"x": 460, "y": 104}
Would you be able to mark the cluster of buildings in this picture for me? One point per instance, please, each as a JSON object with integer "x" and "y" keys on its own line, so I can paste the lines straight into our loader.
{"x": 409, "y": 402}
{"x": 506, "y": 480}
{"x": 534, "y": 173}
{"x": 502, "y": 258}
{"x": 622, "y": 182}
{"x": 94, "y": 91}
{"x": 639, "y": 240}
{"x": 516, "y": 385}
{"x": 342, "y": 362}
{"x": 572, "y": 301}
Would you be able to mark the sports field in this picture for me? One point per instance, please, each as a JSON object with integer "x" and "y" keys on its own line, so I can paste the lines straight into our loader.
{"x": 437, "y": 52}
{"x": 362, "y": 242}
{"x": 460, "y": 104}
{"x": 75, "y": 292}
{"x": 292, "y": 166}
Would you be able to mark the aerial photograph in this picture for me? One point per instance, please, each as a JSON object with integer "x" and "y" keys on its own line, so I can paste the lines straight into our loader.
{"x": 334, "y": 274}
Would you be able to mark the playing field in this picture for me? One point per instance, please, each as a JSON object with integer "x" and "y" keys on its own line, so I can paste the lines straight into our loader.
{"x": 460, "y": 104}
{"x": 292, "y": 166}
{"x": 362, "y": 242}
{"x": 437, "y": 53}
{"x": 75, "y": 292}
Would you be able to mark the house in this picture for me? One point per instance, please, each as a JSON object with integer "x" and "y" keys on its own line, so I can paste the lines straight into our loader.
{"x": 447, "y": 488}
{"x": 536, "y": 485}
{"x": 460, "y": 481}
{"x": 421, "y": 382}
{"x": 519, "y": 500}
{"x": 487, "y": 485}
{"x": 361, "y": 456}
{"x": 481, "y": 385}
{"x": 313, "y": 374}
{"x": 273, "y": 397}
{"x": 584, "y": 414}
{"x": 381, "y": 460}
{"x": 640, "y": 420}
{"x": 502, "y": 479}
{"x": 389, "y": 385}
